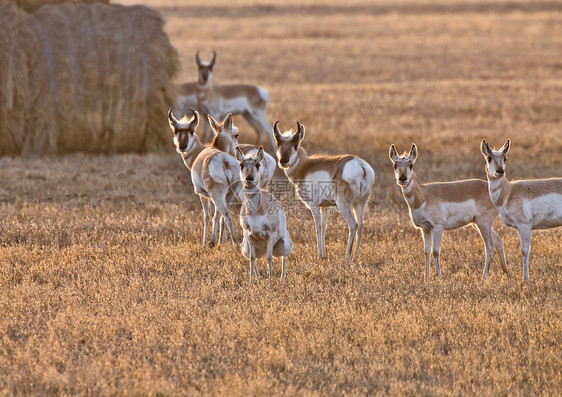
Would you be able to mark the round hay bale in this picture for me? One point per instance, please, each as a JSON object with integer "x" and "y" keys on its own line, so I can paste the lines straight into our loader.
{"x": 17, "y": 43}
{"x": 99, "y": 81}
{"x": 32, "y": 5}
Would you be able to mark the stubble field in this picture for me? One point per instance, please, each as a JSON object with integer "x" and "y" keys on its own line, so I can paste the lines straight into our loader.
{"x": 105, "y": 288}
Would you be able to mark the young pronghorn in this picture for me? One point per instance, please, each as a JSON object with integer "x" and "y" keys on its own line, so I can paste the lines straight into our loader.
{"x": 435, "y": 207}
{"x": 220, "y": 99}
{"x": 524, "y": 205}
{"x": 189, "y": 147}
{"x": 322, "y": 181}
{"x": 262, "y": 218}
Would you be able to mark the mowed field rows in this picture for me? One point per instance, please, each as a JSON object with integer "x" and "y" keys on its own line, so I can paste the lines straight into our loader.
{"x": 105, "y": 288}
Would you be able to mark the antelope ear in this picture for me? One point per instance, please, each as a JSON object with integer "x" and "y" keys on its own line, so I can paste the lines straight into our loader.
{"x": 392, "y": 154}
{"x": 260, "y": 155}
{"x": 227, "y": 122}
{"x": 215, "y": 125}
{"x": 276, "y": 133}
{"x": 505, "y": 147}
{"x": 238, "y": 154}
{"x": 484, "y": 148}
{"x": 413, "y": 154}
{"x": 300, "y": 132}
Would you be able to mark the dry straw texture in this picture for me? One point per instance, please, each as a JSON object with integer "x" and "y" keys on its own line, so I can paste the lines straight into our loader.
{"x": 32, "y": 5}
{"x": 106, "y": 290}
{"x": 84, "y": 77}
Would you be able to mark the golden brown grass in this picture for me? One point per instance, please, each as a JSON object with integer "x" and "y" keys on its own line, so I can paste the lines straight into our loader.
{"x": 105, "y": 289}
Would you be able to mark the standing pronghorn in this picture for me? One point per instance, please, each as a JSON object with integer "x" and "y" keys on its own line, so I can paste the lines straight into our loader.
{"x": 189, "y": 147}
{"x": 524, "y": 205}
{"x": 218, "y": 100}
{"x": 435, "y": 207}
{"x": 322, "y": 181}
{"x": 261, "y": 217}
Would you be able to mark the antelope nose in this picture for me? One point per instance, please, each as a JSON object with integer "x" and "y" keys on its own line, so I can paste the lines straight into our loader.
{"x": 250, "y": 178}
{"x": 402, "y": 178}
{"x": 500, "y": 171}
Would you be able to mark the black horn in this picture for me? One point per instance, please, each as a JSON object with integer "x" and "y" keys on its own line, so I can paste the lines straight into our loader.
{"x": 197, "y": 59}
{"x": 212, "y": 63}
{"x": 195, "y": 114}
{"x": 171, "y": 114}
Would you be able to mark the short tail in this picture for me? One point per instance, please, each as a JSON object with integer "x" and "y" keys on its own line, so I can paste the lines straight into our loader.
{"x": 368, "y": 178}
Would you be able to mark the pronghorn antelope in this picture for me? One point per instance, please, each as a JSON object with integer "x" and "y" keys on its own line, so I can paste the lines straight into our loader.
{"x": 524, "y": 205}
{"x": 322, "y": 181}
{"x": 220, "y": 99}
{"x": 435, "y": 207}
{"x": 188, "y": 145}
{"x": 261, "y": 217}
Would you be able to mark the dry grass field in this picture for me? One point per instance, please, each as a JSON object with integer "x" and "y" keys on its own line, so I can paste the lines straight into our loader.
{"x": 105, "y": 288}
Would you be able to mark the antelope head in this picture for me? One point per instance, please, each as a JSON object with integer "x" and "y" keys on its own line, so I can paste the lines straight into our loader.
{"x": 403, "y": 165}
{"x": 250, "y": 167}
{"x": 183, "y": 129}
{"x": 287, "y": 144}
{"x": 226, "y": 134}
{"x": 205, "y": 69}
{"x": 495, "y": 160}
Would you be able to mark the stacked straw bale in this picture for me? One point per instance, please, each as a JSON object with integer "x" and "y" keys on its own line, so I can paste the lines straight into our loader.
{"x": 92, "y": 78}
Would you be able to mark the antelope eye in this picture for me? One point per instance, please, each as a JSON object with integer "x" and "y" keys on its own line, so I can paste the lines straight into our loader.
{"x": 257, "y": 166}
{"x": 241, "y": 166}
{"x": 394, "y": 166}
{"x": 411, "y": 166}
{"x": 488, "y": 159}
{"x": 505, "y": 160}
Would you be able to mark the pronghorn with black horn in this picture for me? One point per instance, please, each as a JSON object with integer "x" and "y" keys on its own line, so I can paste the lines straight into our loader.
{"x": 323, "y": 181}
{"x": 435, "y": 207}
{"x": 189, "y": 147}
{"x": 218, "y": 100}
{"x": 525, "y": 205}
{"x": 262, "y": 218}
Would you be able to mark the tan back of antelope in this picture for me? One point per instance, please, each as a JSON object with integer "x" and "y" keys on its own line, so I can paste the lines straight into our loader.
{"x": 262, "y": 218}
{"x": 322, "y": 181}
{"x": 525, "y": 204}
{"x": 435, "y": 207}
{"x": 218, "y": 100}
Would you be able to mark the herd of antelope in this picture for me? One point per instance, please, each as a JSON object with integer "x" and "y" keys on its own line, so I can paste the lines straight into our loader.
{"x": 224, "y": 172}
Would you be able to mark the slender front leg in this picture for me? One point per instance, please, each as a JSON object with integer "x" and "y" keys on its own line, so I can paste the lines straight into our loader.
{"x": 253, "y": 270}
{"x": 436, "y": 235}
{"x": 324, "y": 215}
{"x": 318, "y": 225}
{"x": 486, "y": 233}
{"x": 283, "y": 267}
{"x": 269, "y": 257}
{"x": 498, "y": 246}
{"x": 427, "y": 248}
{"x": 525, "y": 239}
